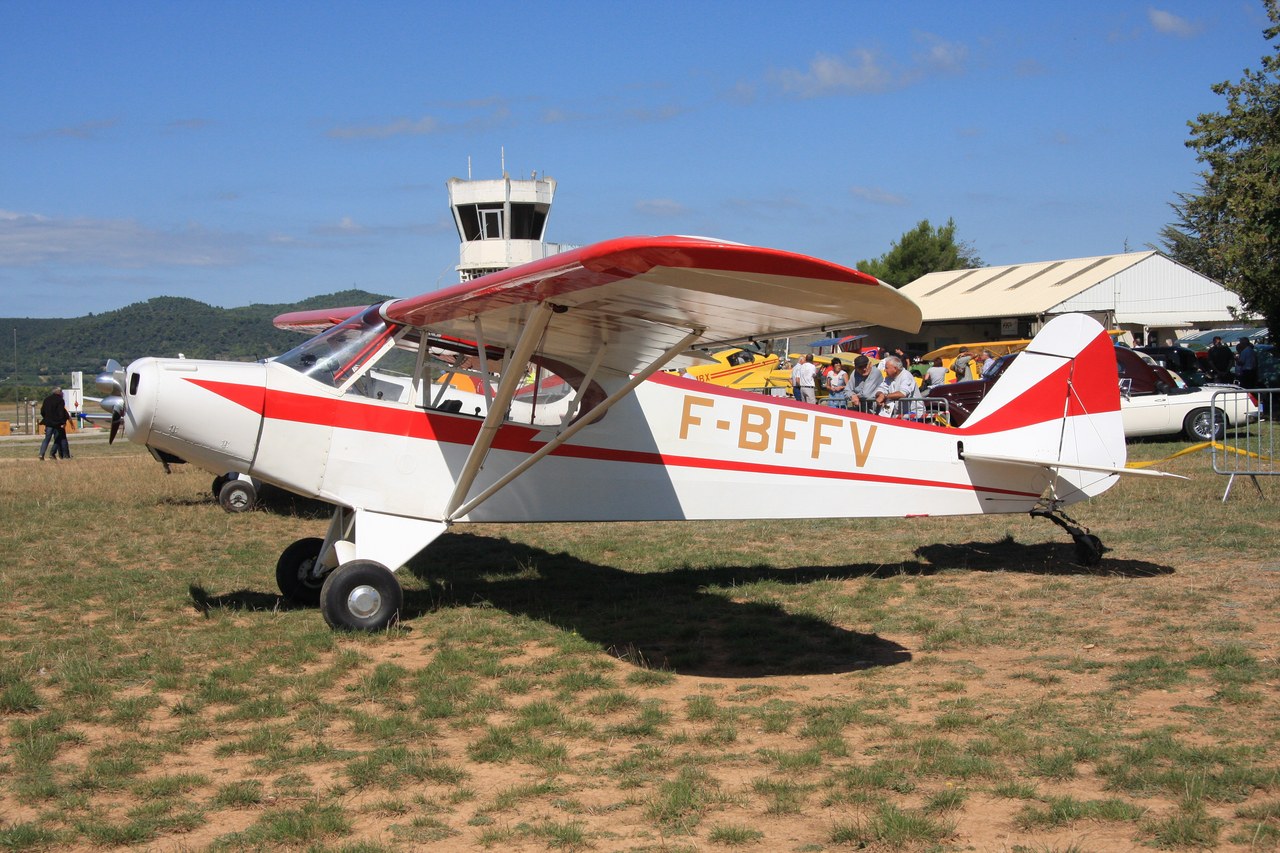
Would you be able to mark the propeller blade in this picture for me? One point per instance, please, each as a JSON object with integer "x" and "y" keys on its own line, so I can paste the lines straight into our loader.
{"x": 111, "y": 381}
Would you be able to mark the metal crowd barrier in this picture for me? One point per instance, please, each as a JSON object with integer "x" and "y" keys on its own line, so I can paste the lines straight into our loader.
{"x": 1244, "y": 422}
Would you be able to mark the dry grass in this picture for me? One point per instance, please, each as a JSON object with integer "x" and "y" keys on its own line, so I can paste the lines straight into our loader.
{"x": 638, "y": 686}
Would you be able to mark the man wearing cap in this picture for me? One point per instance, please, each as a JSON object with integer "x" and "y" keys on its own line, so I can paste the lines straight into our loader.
{"x": 867, "y": 379}
{"x": 54, "y": 416}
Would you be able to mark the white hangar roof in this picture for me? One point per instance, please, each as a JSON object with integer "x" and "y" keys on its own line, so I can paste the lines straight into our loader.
{"x": 1144, "y": 288}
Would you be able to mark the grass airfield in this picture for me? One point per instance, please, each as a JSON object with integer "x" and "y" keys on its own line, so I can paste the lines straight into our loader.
{"x": 930, "y": 684}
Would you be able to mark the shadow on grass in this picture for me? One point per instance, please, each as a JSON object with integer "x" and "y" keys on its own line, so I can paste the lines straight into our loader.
{"x": 663, "y": 620}
{"x": 669, "y": 620}
{"x": 1045, "y": 558}
{"x": 241, "y": 599}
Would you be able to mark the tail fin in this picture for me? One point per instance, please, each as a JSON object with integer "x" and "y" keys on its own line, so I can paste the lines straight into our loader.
{"x": 1058, "y": 402}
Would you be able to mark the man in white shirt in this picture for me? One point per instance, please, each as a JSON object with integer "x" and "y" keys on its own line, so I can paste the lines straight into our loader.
{"x": 802, "y": 380}
{"x": 988, "y": 364}
{"x": 899, "y": 385}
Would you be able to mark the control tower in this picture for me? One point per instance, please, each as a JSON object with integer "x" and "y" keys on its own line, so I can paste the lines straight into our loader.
{"x": 501, "y": 222}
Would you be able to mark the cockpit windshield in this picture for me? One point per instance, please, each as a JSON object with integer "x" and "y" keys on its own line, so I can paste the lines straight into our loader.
{"x": 367, "y": 356}
{"x": 334, "y": 356}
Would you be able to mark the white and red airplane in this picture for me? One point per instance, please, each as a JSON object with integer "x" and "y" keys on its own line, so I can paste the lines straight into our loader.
{"x": 355, "y": 416}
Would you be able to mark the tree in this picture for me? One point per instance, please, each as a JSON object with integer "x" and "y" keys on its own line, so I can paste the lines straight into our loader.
{"x": 1230, "y": 231}
{"x": 920, "y": 251}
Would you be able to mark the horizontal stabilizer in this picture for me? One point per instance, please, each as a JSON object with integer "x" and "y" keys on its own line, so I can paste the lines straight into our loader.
{"x": 1055, "y": 463}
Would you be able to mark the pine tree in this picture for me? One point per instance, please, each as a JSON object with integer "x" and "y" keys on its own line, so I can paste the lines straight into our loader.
{"x": 920, "y": 251}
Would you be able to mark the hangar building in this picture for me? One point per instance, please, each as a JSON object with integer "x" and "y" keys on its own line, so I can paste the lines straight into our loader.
{"x": 1144, "y": 293}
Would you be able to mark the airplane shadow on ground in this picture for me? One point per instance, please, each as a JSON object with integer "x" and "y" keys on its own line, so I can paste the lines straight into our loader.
{"x": 670, "y": 620}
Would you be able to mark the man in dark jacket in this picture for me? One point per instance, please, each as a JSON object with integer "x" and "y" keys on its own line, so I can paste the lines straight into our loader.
{"x": 1221, "y": 360}
{"x": 54, "y": 416}
{"x": 1247, "y": 364}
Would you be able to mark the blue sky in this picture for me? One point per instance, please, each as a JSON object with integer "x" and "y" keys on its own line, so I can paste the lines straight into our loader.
{"x": 248, "y": 152}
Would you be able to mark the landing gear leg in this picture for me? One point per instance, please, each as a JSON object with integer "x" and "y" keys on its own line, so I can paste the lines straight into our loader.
{"x": 1089, "y": 548}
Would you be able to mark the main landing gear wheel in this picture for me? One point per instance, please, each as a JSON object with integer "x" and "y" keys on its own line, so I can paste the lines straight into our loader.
{"x": 237, "y": 496}
{"x": 295, "y": 571}
{"x": 361, "y": 595}
{"x": 218, "y": 482}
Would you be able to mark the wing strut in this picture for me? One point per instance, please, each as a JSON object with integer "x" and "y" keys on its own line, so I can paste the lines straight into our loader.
{"x": 587, "y": 379}
{"x": 452, "y": 514}
{"x": 534, "y": 326}
{"x": 483, "y": 352}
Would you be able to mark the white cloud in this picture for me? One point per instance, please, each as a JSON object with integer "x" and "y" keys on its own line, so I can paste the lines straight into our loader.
{"x": 187, "y": 124}
{"x": 84, "y": 130}
{"x": 664, "y": 207}
{"x": 941, "y": 56}
{"x": 861, "y": 71}
{"x": 865, "y": 71}
{"x": 876, "y": 195}
{"x": 650, "y": 115}
{"x": 494, "y": 113}
{"x": 1170, "y": 24}
{"x": 424, "y": 126}
{"x": 29, "y": 240}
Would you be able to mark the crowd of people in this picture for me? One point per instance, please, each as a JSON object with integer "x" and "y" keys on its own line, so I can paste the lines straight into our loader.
{"x": 887, "y": 389}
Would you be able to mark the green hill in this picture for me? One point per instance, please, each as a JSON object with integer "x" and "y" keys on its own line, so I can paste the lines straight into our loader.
{"x": 48, "y": 350}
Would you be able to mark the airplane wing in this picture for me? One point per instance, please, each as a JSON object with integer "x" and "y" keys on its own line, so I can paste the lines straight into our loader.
{"x": 635, "y": 298}
{"x": 315, "y": 322}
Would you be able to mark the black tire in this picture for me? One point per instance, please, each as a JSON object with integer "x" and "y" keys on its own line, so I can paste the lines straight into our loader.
{"x": 361, "y": 596}
{"x": 1201, "y": 425}
{"x": 238, "y": 496}
{"x": 218, "y": 482}
{"x": 294, "y": 572}
{"x": 1089, "y": 549}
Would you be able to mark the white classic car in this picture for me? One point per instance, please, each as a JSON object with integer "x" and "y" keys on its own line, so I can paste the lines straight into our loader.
{"x": 1151, "y": 404}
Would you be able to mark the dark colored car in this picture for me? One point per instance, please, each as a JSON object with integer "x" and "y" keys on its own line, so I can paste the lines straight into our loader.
{"x": 1193, "y": 367}
{"x": 1268, "y": 366}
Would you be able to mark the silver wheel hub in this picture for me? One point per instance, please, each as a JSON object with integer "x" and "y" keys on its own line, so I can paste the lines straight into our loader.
{"x": 364, "y": 601}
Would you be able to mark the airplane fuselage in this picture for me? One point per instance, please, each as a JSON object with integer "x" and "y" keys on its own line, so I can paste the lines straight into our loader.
{"x": 675, "y": 449}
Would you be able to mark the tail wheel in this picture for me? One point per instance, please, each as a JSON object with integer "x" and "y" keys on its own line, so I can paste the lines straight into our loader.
{"x": 237, "y": 496}
{"x": 1203, "y": 425}
{"x": 1089, "y": 549}
{"x": 295, "y": 571}
{"x": 361, "y": 595}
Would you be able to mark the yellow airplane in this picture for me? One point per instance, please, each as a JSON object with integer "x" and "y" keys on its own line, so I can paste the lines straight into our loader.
{"x": 742, "y": 369}
{"x": 949, "y": 353}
